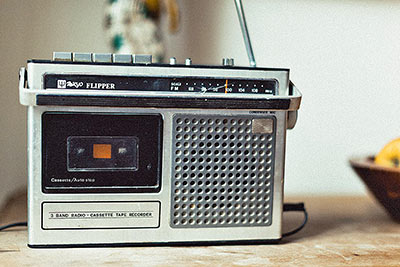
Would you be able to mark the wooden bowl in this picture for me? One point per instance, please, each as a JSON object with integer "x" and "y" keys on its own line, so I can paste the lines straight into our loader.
{"x": 383, "y": 182}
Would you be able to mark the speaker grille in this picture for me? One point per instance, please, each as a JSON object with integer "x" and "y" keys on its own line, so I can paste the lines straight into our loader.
{"x": 222, "y": 172}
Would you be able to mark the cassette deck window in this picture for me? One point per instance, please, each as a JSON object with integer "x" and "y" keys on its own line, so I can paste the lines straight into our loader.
{"x": 102, "y": 153}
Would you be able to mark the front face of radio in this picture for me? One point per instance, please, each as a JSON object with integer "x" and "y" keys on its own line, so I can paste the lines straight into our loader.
{"x": 188, "y": 176}
{"x": 160, "y": 161}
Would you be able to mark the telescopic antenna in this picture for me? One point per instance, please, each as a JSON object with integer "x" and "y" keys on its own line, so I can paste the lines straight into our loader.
{"x": 245, "y": 32}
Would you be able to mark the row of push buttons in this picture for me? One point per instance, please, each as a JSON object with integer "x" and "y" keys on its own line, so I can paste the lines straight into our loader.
{"x": 102, "y": 57}
{"x": 119, "y": 58}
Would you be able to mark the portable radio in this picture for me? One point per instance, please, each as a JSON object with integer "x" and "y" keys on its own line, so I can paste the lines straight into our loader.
{"x": 125, "y": 151}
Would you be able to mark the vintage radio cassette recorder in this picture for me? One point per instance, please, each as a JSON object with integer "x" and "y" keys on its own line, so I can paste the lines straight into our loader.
{"x": 121, "y": 150}
{"x": 125, "y": 151}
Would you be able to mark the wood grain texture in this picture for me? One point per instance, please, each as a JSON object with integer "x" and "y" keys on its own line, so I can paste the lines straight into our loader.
{"x": 342, "y": 231}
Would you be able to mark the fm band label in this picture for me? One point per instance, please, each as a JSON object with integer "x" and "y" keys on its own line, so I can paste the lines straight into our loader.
{"x": 100, "y": 215}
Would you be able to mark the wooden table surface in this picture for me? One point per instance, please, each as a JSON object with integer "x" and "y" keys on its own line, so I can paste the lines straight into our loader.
{"x": 342, "y": 231}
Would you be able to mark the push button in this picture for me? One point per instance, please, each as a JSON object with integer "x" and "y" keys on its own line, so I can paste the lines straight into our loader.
{"x": 82, "y": 57}
{"x": 122, "y": 58}
{"x": 142, "y": 59}
{"x": 102, "y": 57}
{"x": 62, "y": 56}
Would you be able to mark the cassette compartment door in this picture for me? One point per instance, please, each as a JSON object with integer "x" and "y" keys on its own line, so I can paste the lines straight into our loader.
{"x": 101, "y": 152}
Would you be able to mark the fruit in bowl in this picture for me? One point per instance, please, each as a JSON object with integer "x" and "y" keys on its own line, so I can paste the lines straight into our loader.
{"x": 389, "y": 155}
{"x": 381, "y": 174}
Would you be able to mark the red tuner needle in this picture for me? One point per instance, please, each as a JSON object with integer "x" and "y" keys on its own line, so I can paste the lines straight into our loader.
{"x": 226, "y": 86}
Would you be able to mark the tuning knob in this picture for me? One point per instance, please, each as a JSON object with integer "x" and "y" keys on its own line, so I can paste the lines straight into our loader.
{"x": 172, "y": 61}
{"x": 188, "y": 61}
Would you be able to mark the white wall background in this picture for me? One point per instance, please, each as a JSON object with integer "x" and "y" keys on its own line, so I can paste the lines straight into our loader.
{"x": 344, "y": 56}
{"x": 34, "y": 29}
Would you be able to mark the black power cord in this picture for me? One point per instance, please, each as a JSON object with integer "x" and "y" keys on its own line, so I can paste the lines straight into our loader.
{"x": 4, "y": 227}
{"x": 288, "y": 207}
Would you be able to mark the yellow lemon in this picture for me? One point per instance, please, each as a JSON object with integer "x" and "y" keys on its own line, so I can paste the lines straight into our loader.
{"x": 389, "y": 156}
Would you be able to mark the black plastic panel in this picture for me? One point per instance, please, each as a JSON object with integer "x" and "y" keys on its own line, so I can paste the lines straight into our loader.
{"x": 162, "y": 102}
{"x": 166, "y": 84}
{"x": 146, "y": 130}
